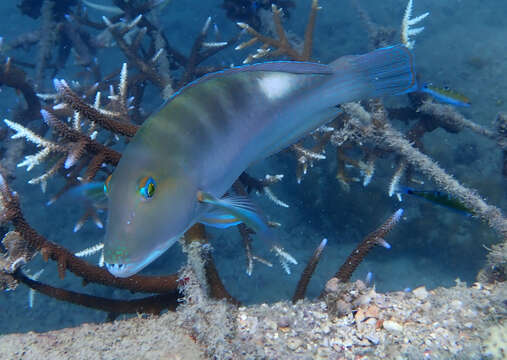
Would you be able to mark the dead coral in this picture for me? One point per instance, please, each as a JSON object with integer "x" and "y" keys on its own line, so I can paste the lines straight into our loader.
{"x": 14, "y": 77}
{"x": 272, "y": 47}
{"x": 18, "y": 252}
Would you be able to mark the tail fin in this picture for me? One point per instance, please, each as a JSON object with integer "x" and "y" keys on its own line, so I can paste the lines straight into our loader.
{"x": 389, "y": 70}
{"x": 386, "y": 71}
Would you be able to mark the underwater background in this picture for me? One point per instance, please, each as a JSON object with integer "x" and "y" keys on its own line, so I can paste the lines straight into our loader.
{"x": 463, "y": 46}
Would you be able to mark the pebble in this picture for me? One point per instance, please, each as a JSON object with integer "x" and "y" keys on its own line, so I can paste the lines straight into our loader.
{"x": 373, "y": 339}
{"x": 421, "y": 293}
{"x": 332, "y": 285}
{"x": 372, "y": 311}
{"x": 457, "y": 304}
{"x": 325, "y": 329}
{"x": 343, "y": 307}
{"x": 426, "y": 306}
{"x": 359, "y": 316}
{"x": 371, "y": 321}
{"x": 392, "y": 326}
{"x": 294, "y": 343}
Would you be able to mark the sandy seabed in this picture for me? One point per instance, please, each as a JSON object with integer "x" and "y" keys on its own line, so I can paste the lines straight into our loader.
{"x": 445, "y": 323}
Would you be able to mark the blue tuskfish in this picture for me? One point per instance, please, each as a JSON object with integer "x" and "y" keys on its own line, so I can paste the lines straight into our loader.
{"x": 437, "y": 197}
{"x": 446, "y": 95}
{"x": 177, "y": 168}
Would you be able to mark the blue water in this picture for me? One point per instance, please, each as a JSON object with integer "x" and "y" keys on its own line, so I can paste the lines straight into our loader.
{"x": 463, "y": 46}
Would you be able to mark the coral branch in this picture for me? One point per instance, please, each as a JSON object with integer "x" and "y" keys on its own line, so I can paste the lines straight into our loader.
{"x": 119, "y": 30}
{"x": 308, "y": 272}
{"x": 15, "y": 78}
{"x": 398, "y": 143}
{"x": 406, "y": 31}
{"x": 200, "y": 52}
{"x": 359, "y": 253}
{"x": 67, "y": 261}
{"x": 197, "y": 235}
{"x": 491, "y": 214}
{"x": 148, "y": 305}
{"x": 77, "y": 104}
{"x": 448, "y": 114}
{"x": 281, "y": 46}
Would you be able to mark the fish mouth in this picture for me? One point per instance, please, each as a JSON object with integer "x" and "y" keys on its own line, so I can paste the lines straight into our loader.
{"x": 121, "y": 270}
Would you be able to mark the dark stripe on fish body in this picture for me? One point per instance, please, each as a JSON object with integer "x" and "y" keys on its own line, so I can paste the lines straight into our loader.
{"x": 225, "y": 101}
{"x": 201, "y": 116}
{"x": 215, "y": 108}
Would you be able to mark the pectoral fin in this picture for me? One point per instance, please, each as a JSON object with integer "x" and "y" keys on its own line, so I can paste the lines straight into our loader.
{"x": 238, "y": 208}
{"x": 242, "y": 209}
{"x": 219, "y": 219}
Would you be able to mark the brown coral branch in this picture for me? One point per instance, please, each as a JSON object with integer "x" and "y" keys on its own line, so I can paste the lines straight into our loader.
{"x": 310, "y": 27}
{"x": 130, "y": 52}
{"x": 70, "y": 98}
{"x": 148, "y": 305}
{"x": 67, "y": 261}
{"x": 281, "y": 45}
{"x": 308, "y": 272}
{"x": 364, "y": 247}
{"x": 198, "y": 54}
{"x": 14, "y": 77}
{"x": 107, "y": 155}
{"x": 394, "y": 140}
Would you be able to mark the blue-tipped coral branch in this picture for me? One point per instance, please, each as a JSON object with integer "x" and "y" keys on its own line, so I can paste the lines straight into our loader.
{"x": 371, "y": 240}
{"x": 308, "y": 272}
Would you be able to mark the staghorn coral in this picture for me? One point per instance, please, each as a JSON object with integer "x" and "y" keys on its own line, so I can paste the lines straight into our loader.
{"x": 272, "y": 47}
{"x": 18, "y": 252}
{"x": 85, "y": 129}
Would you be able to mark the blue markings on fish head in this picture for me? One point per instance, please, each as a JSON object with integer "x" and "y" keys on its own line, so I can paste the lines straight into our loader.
{"x": 149, "y": 210}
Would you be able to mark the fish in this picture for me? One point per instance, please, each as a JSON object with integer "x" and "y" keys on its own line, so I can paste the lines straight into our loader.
{"x": 92, "y": 193}
{"x": 446, "y": 95}
{"x": 437, "y": 197}
{"x": 177, "y": 168}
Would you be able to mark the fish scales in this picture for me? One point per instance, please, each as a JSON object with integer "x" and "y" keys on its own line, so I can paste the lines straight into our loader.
{"x": 213, "y": 129}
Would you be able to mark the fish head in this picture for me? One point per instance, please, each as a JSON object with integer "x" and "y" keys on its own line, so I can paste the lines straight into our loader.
{"x": 148, "y": 211}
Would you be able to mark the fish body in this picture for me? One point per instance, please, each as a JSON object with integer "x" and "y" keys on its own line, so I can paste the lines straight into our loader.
{"x": 438, "y": 197}
{"x": 209, "y": 132}
{"x": 446, "y": 95}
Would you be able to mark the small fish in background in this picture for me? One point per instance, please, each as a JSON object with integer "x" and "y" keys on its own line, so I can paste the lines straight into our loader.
{"x": 92, "y": 196}
{"x": 445, "y": 95}
{"x": 437, "y": 197}
{"x": 93, "y": 193}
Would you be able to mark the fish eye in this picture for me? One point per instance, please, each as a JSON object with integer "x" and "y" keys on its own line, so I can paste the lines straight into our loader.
{"x": 107, "y": 185}
{"x": 147, "y": 187}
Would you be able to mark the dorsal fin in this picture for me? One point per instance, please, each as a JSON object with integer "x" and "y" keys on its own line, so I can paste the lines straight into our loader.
{"x": 292, "y": 67}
